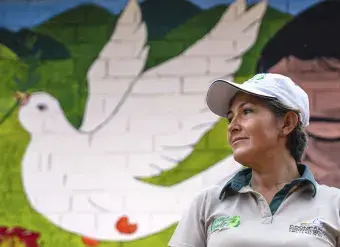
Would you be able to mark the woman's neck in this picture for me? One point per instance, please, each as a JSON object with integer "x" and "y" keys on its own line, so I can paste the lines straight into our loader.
{"x": 271, "y": 176}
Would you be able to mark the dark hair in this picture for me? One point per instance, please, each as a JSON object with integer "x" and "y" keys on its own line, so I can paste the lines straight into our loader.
{"x": 300, "y": 37}
{"x": 297, "y": 139}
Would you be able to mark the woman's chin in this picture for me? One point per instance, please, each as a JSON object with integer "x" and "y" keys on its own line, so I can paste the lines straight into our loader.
{"x": 242, "y": 156}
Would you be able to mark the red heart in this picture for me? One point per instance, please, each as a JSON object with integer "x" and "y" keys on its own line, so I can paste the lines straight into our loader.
{"x": 89, "y": 241}
{"x": 124, "y": 226}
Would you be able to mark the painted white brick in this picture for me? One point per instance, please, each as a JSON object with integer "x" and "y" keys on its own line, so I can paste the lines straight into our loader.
{"x": 180, "y": 66}
{"x": 227, "y": 29}
{"x": 118, "y": 125}
{"x": 116, "y": 49}
{"x": 163, "y": 160}
{"x": 158, "y": 219}
{"x": 97, "y": 70}
{"x": 235, "y": 35}
{"x": 115, "y": 202}
{"x": 179, "y": 140}
{"x": 110, "y": 103}
{"x": 126, "y": 67}
{"x": 81, "y": 204}
{"x": 94, "y": 112}
{"x": 54, "y": 203}
{"x": 127, "y": 32}
{"x": 113, "y": 86}
{"x": 197, "y": 84}
{"x": 45, "y": 162}
{"x": 34, "y": 159}
{"x": 122, "y": 143}
{"x": 196, "y": 120}
{"x": 153, "y": 125}
{"x": 243, "y": 44}
{"x": 44, "y": 182}
{"x": 98, "y": 109}
{"x": 149, "y": 204}
{"x": 58, "y": 125}
{"x": 88, "y": 163}
{"x": 224, "y": 66}
{"x": 84, "y": 223}
{"x": 57, "y": 143}
{"x": 96, "y": 181}
{"x": 188, "y": 187}
{"x": 183, "y": 201}
{"x": 90, "y": 202}
{"x": 96, "y": 102}
{"x": 149, "y": 164}
{"x": 168, "y": 105}
{"x": 208, "y": 47}
{"x": 157, "y": 85}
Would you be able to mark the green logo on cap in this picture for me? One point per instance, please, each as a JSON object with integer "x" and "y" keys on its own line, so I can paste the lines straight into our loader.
{"x": 258, "y": 77}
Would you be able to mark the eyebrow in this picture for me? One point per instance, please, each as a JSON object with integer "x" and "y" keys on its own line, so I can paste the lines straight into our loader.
{"x": 241, "y": 105}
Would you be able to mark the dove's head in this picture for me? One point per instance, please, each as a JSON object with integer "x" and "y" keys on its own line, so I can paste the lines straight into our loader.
{"x": 41, "y": 112}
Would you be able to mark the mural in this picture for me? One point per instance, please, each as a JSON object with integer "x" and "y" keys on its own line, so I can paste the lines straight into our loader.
{"x": 105, "y": 135}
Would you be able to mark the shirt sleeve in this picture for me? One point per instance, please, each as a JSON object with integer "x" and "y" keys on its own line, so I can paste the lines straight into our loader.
{"x": 191, "y": 229}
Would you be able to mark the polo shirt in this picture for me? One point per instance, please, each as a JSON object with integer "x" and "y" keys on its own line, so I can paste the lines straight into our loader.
{"x": 302, "y": 213}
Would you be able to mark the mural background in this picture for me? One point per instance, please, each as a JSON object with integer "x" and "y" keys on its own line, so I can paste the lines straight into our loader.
{"x": 49, "y": 46}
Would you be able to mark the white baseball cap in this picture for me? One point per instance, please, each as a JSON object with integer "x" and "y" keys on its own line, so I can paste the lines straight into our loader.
{"x": 265, "y": 85}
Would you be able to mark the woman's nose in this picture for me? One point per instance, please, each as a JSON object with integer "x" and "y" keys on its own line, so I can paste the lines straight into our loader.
{"x": 233, "y": 126}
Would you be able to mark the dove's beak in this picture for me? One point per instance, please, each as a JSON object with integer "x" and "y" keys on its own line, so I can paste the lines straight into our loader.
{"x": 21, "y": 97}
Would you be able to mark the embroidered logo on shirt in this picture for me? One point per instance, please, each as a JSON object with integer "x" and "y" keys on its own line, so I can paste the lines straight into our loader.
{"x": 225, "y": 222}
{"x": 314, "y": 227}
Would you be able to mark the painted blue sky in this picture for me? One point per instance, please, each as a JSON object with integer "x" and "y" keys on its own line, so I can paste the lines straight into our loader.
{"x": 17, "y": 14}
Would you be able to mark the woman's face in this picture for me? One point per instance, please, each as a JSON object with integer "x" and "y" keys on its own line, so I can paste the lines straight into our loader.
{"x": 253, "y": 130}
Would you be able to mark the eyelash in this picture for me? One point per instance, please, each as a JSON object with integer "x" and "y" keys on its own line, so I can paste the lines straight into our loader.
{"x": 245, "y": 111}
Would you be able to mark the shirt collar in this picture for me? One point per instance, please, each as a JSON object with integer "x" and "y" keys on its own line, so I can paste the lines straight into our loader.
{"x": 243, "y": 177}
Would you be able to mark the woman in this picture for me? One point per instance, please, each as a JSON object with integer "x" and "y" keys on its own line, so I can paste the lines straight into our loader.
{"x": 275, "y": 201}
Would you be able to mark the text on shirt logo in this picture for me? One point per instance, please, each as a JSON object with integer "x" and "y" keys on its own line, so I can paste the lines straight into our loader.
{"x": 225, "y": 222}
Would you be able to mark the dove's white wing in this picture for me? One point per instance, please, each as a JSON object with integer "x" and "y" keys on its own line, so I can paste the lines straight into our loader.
{"x": 118, "y": 64}
{"x": 165, "y": 113}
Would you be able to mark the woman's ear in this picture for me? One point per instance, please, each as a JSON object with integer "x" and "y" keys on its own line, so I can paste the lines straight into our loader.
{"x": 290, "y": 121}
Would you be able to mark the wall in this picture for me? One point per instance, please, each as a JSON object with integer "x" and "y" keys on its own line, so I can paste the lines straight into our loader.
{"x": 105, "y": 135}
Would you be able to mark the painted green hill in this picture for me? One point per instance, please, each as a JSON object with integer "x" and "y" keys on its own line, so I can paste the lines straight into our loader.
{"x": 161, "y": 16}
{"x": 27, "y": 43}
{"x": 6, "y": 53}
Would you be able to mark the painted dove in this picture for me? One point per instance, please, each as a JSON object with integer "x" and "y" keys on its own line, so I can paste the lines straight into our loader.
{"x": 85, "y": 181}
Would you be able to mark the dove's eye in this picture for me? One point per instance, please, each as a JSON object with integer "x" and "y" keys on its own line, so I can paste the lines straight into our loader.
{"x": 42, "y": 107}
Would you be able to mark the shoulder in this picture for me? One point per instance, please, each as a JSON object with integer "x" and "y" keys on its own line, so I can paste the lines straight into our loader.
{"x": 208, "y": 198}
{"x": 209, "y": 195}
{"x": 328, "y": 191}
{"x": 328, "y": 194}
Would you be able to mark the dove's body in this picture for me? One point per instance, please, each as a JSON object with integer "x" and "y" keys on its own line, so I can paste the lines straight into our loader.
{"x": 85, "y": 181}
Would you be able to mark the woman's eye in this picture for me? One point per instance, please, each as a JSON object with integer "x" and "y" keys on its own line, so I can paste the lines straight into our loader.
{"x": 247, "y": 110}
